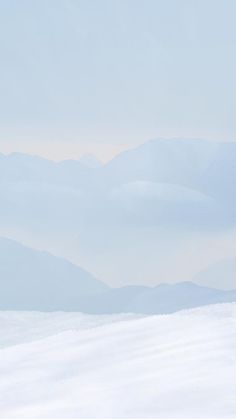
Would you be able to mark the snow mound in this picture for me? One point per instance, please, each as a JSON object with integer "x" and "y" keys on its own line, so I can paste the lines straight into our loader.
{"x": 70, "y": 366}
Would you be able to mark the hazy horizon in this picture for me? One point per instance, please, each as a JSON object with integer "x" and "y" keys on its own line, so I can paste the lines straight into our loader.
{"x": 95, "y": 77}
{"x": 160, "y": 212}
{"x": 100, "y": 77}
{"x": 117, "y": 209}
{"x": 104, "y": 156}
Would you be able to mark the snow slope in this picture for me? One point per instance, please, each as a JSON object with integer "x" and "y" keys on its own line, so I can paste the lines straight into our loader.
{"x": 70, "y": 366}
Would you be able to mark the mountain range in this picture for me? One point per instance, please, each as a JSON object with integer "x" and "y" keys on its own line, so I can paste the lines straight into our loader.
{"x": 146, "y": 204}
{"x": 36, "y": 280}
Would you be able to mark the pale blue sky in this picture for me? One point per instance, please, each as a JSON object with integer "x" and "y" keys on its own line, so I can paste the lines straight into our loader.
{"x": 102, "y": 75}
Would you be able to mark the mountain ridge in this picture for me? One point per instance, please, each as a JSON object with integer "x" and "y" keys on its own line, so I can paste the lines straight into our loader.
{"x": 35, "y": 280}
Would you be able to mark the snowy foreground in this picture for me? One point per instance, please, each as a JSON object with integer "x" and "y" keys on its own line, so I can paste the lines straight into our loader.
{"x": 73, "y": 366}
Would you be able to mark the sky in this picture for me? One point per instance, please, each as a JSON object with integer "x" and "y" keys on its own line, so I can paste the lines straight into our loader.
{"x": 99, "y": 76}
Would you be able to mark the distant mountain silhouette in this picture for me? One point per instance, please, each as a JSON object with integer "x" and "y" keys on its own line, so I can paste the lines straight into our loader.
{"x": 162, "y": 299}
{"x": 154, "y": 193}
{"x": 35, "y": 280}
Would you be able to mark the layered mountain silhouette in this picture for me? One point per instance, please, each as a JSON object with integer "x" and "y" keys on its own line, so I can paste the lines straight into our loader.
{"x": 159, "y": 191}
{"x": 197, "y": 164}
{"x": 35, "y": 280}
{"x": 185, "y": 183}
{"x": 162, "y": 299}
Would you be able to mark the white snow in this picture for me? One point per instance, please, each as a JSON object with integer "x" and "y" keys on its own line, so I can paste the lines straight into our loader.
{"x": 74, "y": 366}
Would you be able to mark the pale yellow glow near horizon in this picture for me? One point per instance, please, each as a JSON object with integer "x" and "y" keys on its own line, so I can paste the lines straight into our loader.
{"x": 61, "y": 151}
{"x": 58, "y": 146}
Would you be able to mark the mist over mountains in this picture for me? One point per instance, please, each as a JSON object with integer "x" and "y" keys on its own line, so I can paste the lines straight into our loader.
{"x": 117, "y": 276}
{"x": 150, "y": 215}
{"x": 34, "y": 280}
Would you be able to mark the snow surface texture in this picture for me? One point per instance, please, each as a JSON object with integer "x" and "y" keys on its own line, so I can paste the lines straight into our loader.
{"x": 70, "y": 366}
